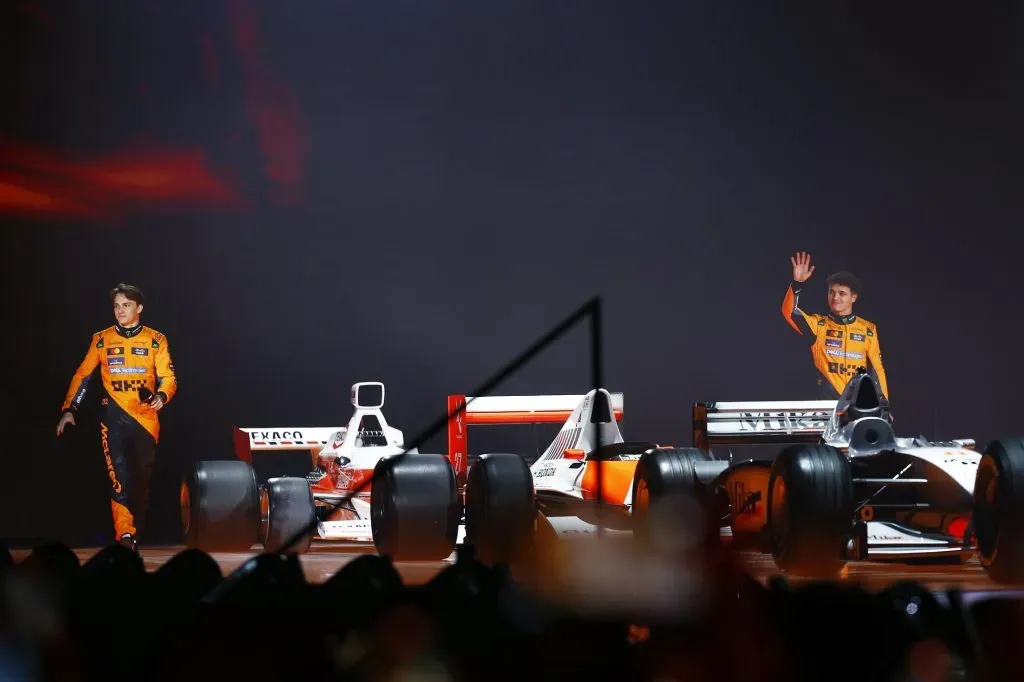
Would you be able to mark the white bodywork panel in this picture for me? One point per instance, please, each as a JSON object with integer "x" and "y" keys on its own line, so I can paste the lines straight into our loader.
{"x": 565, "y": 526}
{"x": 537, "y": 404}
{"x": 553, "y": 471}
{"x": 359, "y": 529}
{"x": 562, "y": 477}
{"x": 890, "y": 541}
{"x": 961, "y": 465}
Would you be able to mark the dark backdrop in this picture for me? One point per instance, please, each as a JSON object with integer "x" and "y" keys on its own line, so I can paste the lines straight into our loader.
{"x": 411, "y": 192}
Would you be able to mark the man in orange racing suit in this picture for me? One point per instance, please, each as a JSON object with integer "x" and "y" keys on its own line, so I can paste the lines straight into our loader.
{"x": 138, "y": 376}
{"x": 840, "y": 341}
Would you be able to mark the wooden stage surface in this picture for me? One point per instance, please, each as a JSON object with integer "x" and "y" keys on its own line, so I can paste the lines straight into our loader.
{"x": 325, "y": 559}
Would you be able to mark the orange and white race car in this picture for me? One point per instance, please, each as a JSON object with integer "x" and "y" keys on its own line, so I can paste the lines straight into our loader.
{"x": 365, "y": 486}
{"x": 589, "y": 480}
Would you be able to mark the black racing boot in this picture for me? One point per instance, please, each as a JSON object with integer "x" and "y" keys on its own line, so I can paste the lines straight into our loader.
{"x": 128, "y": 540}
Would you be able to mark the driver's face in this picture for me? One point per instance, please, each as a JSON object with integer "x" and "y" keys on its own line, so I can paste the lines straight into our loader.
{"x": 841, "y": 299}
{"x": 126, "y": 311}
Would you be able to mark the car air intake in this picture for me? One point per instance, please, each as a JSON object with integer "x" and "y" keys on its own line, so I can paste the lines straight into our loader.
{"x": 602, "y": 412}
{"x": 872, "y": 434}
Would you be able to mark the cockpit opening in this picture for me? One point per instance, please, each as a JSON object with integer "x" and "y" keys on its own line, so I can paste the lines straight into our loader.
{"x": 867, "y": 403}
{"x": 370, "y": 432}
{"x": 863, "y": 398}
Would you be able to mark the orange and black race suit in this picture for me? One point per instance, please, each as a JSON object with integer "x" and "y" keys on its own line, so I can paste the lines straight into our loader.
{"x": 839, "y": 345}
{"x": 128, "y": 359}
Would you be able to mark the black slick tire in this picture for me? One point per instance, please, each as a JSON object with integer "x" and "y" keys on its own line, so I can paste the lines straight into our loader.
{"x": 415, "y": 508}
{"x": 998, "y": 517}
{"x": 286, "y": 510}
{"x": 501, "y": 512}
{"x": 810, "y": 510}
{"x": 220, "y": 506}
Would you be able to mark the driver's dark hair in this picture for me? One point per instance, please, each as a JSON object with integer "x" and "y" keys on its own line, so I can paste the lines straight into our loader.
{"x": 844, "y": 279}
{"x": 131, "y": 292}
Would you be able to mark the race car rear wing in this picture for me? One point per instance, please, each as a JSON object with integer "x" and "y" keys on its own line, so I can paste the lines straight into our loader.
{"x": 365, "y": 396}
{"x": 760, "y": 422}
{"x": 248, "y": 440}
{"x": 522, "y": 409}
{"x": 466, "y": 411}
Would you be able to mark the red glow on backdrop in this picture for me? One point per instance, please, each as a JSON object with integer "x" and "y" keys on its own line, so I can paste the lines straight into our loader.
{"x": 43, "y": 182}
{"x": 18, "y": 197}
{"x": 40, "y": 182}
{"x": 270, "y": 106}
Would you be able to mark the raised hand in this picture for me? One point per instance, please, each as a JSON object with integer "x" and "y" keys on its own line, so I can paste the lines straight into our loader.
{"x": 802, "y": 268}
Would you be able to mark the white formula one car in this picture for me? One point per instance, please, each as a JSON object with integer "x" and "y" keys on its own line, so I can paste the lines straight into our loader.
{"x": 846, "y": 488}
{"x": 226, "y": 508}
{"x": 419, "y": 506}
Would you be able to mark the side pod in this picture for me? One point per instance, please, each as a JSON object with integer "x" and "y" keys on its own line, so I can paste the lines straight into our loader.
{"x": 744, "y": 486}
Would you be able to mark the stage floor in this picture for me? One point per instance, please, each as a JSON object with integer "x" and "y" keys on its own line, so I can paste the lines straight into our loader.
{"x": 325, "y": 559}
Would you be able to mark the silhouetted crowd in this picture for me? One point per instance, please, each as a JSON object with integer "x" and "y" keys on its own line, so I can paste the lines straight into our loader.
{"x": 109, "y": 619}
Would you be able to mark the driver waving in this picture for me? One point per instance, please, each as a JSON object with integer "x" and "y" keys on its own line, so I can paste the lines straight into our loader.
{"x": 840, "y": 341}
